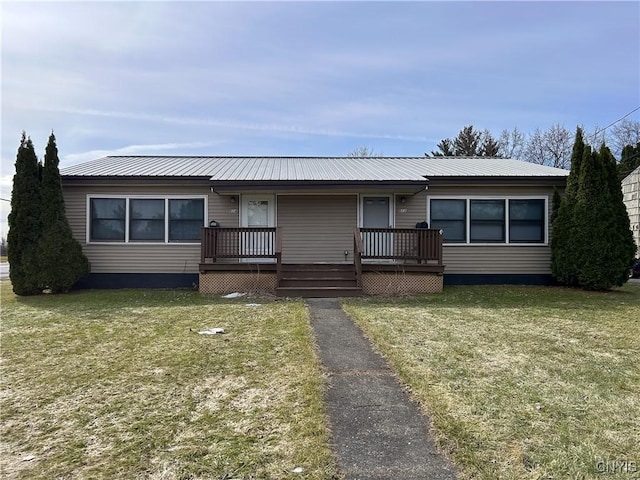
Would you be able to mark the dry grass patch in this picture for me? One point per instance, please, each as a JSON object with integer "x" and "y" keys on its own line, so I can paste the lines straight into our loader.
{"x": 520, "y": 382}
{"x": 118, "y": 384}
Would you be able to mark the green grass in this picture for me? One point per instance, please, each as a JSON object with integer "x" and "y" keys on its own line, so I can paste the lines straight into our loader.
{"x": 520, "y": 382}
{"x": 118, "y": 384}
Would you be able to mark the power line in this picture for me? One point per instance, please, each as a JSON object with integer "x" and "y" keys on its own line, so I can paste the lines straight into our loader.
{"x": 613, "y": 123}
{"x": 5, "y": 200}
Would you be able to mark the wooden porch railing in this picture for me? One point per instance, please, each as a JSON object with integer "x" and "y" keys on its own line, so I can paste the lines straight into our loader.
{"x": 241, "y": 242}
{"x": 357, "y": 256}
{"x": 422, "y": 245}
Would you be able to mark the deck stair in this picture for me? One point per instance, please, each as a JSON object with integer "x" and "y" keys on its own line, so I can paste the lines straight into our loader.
{"x": 318, "y": 280}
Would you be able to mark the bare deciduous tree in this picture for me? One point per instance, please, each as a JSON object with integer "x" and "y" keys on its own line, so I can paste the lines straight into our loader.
{"x": 512, "y": 143}
{"x": 363, "y": 152}
{"x": 558, "y": 141}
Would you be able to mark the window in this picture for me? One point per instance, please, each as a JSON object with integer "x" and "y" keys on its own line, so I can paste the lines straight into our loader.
{"x": 490, "y": 220}
{"x": 526, "y": 221}
{"x": 107, "y": 219}
{"x": 450, "y": 216}
{"x": 185, "y": 219}
{"x": 146, "y": 220}
{"x": 487, "y": 221}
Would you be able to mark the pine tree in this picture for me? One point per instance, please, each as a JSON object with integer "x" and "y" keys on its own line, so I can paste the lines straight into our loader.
{"x": 60, "y": 258}
{"x": 24, "y": 221}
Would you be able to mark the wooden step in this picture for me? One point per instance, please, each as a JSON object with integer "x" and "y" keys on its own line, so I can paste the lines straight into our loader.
{"x": 318, "y": 292}
{"x": 318, "y": 282}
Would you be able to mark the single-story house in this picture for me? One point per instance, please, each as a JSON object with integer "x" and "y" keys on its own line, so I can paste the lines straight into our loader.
{"x": 631, "y": 198}
{"x": 311, "y": 225}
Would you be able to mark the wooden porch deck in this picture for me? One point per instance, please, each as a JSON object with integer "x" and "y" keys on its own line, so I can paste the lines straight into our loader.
{"x": 386, "y": 255}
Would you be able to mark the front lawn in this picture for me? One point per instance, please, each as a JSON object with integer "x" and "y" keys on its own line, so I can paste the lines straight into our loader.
{"x": 521, "y": 382}
{"x": 119, "y": 384}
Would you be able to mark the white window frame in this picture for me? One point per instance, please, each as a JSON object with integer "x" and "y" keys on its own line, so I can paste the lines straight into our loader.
{"x": 127, "y": 218}
{"x": 506, "y": 198}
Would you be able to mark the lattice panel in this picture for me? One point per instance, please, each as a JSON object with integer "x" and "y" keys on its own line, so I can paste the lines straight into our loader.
{"x": 227, "y": 282}
{"x": 398, "y": 284}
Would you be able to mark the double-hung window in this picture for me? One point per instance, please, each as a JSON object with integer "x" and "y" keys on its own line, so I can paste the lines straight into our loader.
{"x": 146, "y": 219}
{"x": 486, "y": 218}
{"x": 108, "y": 219}
{"x": 490, "y": 220}
{"x": 450, "y": 216}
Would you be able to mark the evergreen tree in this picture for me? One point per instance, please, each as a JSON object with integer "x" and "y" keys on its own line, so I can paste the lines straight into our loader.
{"x": 592, "y": 245}
{"x": 468, "y": 143}
{"x": 564, "y": 257}
{"x": 24, "y": 221}
{"x": 60, "y": 258}
{"x": 629, "y": 160}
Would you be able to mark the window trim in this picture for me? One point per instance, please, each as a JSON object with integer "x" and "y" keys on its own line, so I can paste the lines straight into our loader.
{"x": 127, "y": 240}
{"x": 506, "y": 198}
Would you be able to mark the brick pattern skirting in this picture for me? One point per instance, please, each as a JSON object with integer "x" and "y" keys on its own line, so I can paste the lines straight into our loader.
{"x": 228, "y": 282}
{"x": 400, "y": 283}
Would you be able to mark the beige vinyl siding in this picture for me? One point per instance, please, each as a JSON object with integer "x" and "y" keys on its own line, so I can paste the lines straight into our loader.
{"x": 142, "y": 258}
{"x": 413, "y": 211}
{"x": 316, "y": 228}
{"x": 496, "y": 259}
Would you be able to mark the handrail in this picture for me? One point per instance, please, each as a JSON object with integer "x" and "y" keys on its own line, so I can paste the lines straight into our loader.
{"x": 278, "y": 252}
{"x": 237, "y": 242}
{"x": 419, "y": 244}
{"x": 357, "y": 256}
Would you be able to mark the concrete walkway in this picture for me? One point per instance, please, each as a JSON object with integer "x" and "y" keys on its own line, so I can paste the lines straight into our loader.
{"x": 377, "y": 432}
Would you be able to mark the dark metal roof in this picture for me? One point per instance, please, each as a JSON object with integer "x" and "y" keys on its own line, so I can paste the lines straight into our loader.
{"x": 319, "y": 169}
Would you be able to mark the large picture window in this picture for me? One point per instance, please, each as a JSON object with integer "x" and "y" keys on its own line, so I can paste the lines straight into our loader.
{"x": 490, "y": 220}
{"x": 142, "y": 220}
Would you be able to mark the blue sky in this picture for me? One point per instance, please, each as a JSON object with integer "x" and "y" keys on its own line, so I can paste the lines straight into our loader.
{"x": 305, "y": 78}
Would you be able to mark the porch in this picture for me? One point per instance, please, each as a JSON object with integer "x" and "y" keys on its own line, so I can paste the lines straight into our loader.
{"x": 382, "y": 261}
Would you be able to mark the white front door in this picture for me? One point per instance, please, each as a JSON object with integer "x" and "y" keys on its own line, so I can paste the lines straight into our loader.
{"x": 376, "y": 213}
{"x": 257, "y": 211}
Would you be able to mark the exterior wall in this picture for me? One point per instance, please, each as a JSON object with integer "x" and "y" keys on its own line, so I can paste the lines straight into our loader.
{"x": 631, "y": 196}
{"x": 142, "y": 258}
{"x": 412, "y": 211}
{"x": 496, "y": 259}
{"x": 317, "y": 228}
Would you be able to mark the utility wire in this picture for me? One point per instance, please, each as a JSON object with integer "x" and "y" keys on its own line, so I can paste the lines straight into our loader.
{"x": 613, "y": 123}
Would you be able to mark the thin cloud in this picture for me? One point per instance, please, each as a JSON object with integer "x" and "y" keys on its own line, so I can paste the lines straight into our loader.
{"x": 75, "y": 158}
{"x": 232, "y": 124}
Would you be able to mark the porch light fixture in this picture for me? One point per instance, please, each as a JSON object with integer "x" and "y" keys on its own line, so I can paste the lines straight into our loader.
{"x": 233, "y": 199}
{"x": 403, "y": 199}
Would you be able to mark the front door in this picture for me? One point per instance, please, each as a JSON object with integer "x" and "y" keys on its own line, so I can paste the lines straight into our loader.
{"x": 257, "y": 211}
{"x": 376, "y": 214}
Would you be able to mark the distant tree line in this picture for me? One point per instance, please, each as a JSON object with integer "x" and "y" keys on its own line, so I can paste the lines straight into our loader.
{"x": 552, "y": 147}
{"x": 42, "y": 253}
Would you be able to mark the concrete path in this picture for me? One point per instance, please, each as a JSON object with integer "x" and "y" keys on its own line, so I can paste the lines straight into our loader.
{"x": 377, "y": 432}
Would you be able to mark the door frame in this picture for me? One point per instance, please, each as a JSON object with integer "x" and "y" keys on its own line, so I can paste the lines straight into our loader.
{"x": 392, "y": 208}
{"x": 244, "y": 199}
{"x": 271, "y": 219}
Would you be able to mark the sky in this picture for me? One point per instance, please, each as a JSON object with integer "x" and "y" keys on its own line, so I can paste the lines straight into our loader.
{"x": 304, "y": 78}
